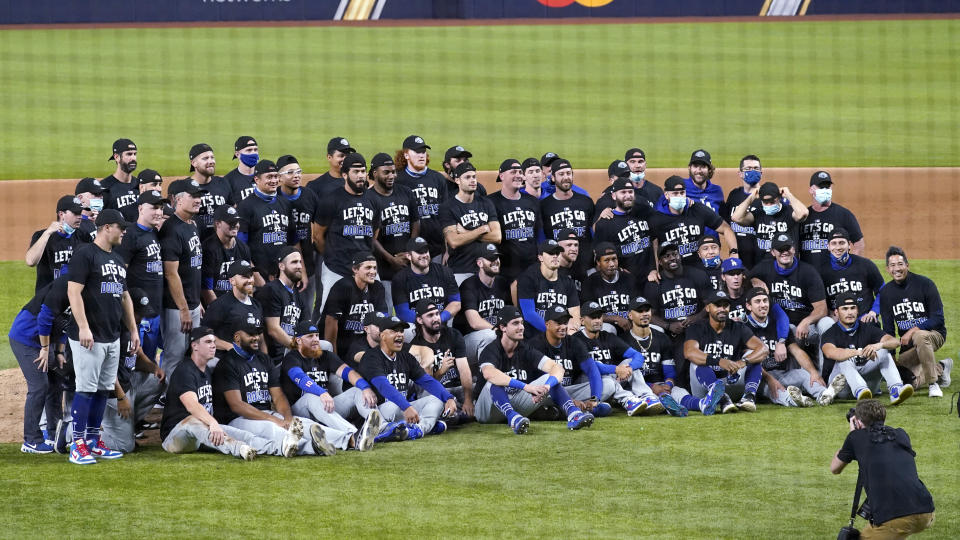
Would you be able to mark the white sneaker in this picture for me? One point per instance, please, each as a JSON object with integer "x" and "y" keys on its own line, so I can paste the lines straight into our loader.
{"x": 247, "y": 453}
{"x": 290, "y": 445}
{"x": 796, "y": 395}
{"x": 319, "y": 441}
{"x": 944, "y": 380}
{"x": 935, "y": 390}
{"x": 369, "y": 431}
{"x": 836, "y": 385}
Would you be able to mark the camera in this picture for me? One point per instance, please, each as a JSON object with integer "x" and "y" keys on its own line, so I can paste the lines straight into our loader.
{"x": 851, "y": 413}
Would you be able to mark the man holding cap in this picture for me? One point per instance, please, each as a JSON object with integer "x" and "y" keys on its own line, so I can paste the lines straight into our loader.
{"x": 332, "y": 180}
{"x": 220, "y": 250}
{"x": 283, "y": 305}
{"x": 216, "y": 190}
{"x": 568, "y": 209}
{"x": 723, "y": 354}
{"x": 467, "y": 220}
{"x": 121, "y": 186}
{"x": 659, "y": 371}
{"x": 455, "y": 155}
{"x": 237, "y": 305}
{"x": 825, "y": 216}
{"x": 637, "y": 162}
{"x": 51, "y": 248}
{"x": 628, "y": 229}
{"x": 350, "y": 299}
{"x": 266, "y": 219}
{"x": 521, "y": 379}
{"x": 532, "y": 178}
{"x": 519, "y": 217}
{"x": 427, "y": 185}
{"x": 682, "y": 221}
{"x": 443, "y": 355}
{"x": 541, "y": 287}
{"x": 90, "y": 193}
{"x": 240, "y": 179}
{"x": 482, "y": 296}
{"x": 779, "y": 212}
{"x": 343, "y": 225}
{"x": 424, "y": 280}
{"x": 99, "y": 300}
{"x": 698, "y": 185}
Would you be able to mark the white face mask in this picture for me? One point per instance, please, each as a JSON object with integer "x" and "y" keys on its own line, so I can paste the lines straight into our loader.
{"x": 636, "y": 177}
{"x": 96, "y": 205}
{"x": 823, "y": 195}
{"x": 678, "y": 203}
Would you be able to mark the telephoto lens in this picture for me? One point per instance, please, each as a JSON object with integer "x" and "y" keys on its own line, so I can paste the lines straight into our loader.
{"x": 850, "y": 414}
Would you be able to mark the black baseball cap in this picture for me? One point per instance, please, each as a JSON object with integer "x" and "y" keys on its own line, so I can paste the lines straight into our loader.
{"x": 381, "y": 160}
{"x": 621, "y": 183}
{"x": 152, "y": 197}
{"x": 249, "y": 325}
{"x": 69, "y": 203}
{"x": 415, "y": 142}
{"x": 185, "y": 185}
{"x": 339, "y": 143}
{"x": 265, "y": 166}
{"x": 456, "y": 152}
{"x": 755, "y": 292}
{"x": 619, "y": 168}
{"x": 198, "y": 149}
{"x": 530, "y": 162}
{"x": 674, "y": 183}
{"x": 700, "y": 156}
{"x": 634, "y": 153}
{"x": 507, "y": 164}
{"x": 667, "y": 247}
{"x": 426, "y": 306}
{"x": 547, "y": 159}
{"x": 418, "y": 245}
{"x": 567, "y": 234}
{"x": 640, "y": 302}
{"x": 392, "y": 323}
{"x": 120, "y": 146}
{"x": 769, "y": 190}
{"x": 820, "y": 177}
{"x": 839, "y": 232}
{"x": 591, "y": 309}
{"x": 707, "y": 239}
{"x": 352, "y": 160}
{"x": 286, "y": 251}
{"x": 374, "y": 318}
{"x": 200, "y": 332}
{"x": 557, "y": 314}
{"x": 508, "y": 313}
{"x": 361, "y": 257}
{"x": 149, "y": 176}
{"x": 89, "y": 185}
{"x": 845, "y": 299}
{"x": 285, "y": 160}
{"x": 240, "y": 267}
{"x": 716, "y": 298}
{"x": 110, "y": 216}
{"x": 168, "y": 210}
{"x": 242, "y": 142}
{"x": 227, "y": 214}
{"x": 549, "y": 246}
{"x": 305, "y": 328}
{"x": 603, "y": 249}
{"x": 464, "y": 168}
{"x": 488, "y": 251}
{"x": 782, "y": 242}
{"x": 559, "y": 164}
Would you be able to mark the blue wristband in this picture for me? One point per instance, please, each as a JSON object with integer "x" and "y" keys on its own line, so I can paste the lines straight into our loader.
{"x": 516, "y": 383}
{"x": 445, "y": 316}
{"x": 551, "y": 381}
{"x": 362, "y": 384}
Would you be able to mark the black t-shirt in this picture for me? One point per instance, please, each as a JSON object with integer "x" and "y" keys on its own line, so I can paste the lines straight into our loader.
{"x": 350, "y": 221}
{"x": 685, "y": 229}
{"x": 519, "y": 224}
{"x": 523, "y": 365}
{"x": 569, "y": 354}
{"x": 217, "y": 259}
{"x": 860, "y": 277}
{"x": 861, "y": 335}
{"x": 913, "y": 303}
{"x": 630, "y": 233}
{"x": 815, "y": 232}
{"x": 268, "y": 224}
{"x": 577, "y": 273}
{"x": 886, "y": 460}
{"x": 55, "y": 259}
{"x": 223, "y": 313}
{"x": 614, "y": 297}
{"x": 324, "y": 184}
{"x": 486, "y": 301}
{"x": 574, "y": 213}
{"x": 303, "y": 207}
{"x": 318, "y": 369}
{"x": 128, "y": 361}
{"x": 545, "y": 293}
{"x": 768, "y": 227}
{"x": 396, "y": 213}
{"x": 241, "y": 185}
{"x": 122, "y": 196}
{"x": 679, "y": 297}
{"x": 657, "y": 352}
{"x": 795, "y": 292}
{"x": 714, "y": 275}
{"x": 470, "y": 216}
{"x": 649, "y": 191}
{"x": 768, "y": 335}
{"x": 348, "y": 304}
{"x": 746, "y": 236}
{"x": 730, "y": 343}
{"x": 140, "y": 249}
{"x": 430, "y": 191}
{"x": 253, "y": 377}
{"x": 605, "y": 349}
{"x": 187, "y": 377}
{"x": 437, "y": 285}
{"x": 278, "y": 300}
{"x": 87, "y": 230}
{"x": 179, "y": 241}
{"x": 450, "y": 340}
{"x": 218, "y": 194}
{"x": 350, "y": 359}
{"x": 401, "y": 372}
{"x": 104, "y": 279}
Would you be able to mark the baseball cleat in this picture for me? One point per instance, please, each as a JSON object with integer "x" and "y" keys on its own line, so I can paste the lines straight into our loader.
{"x": 438, "y": 428}
{"x": 414, "y": 432}
{"x": 290, "y": 445}
{"x": 714, "y": 394}
{"x": 392, "y": 432}
{"x": 319, "y": 441}
{"x": 519, "y": 424}
{"x": 101, "y": 451}
{"x": 602, "y": 409}
{"x": 748, "y": 402}
{"x": 296, "y": 427}
{"x": 634, "y": 406}
{"x": 580, "y": 420}
{"x": 726, "y": 405}
{"x": 933, "y": 391}
{"x": 836, "y": 385}
{"x": 60, "y": 442}
{"x": 654, "y": 407}
{"x": 864, "y": 393}
{"x": 369, "y": 431}
{"x": 80, "y": 454}
{"x": 900, "y": 393}
{"x": 247, "y": 453}
{"x": 672, "y": 407}
{"x": 944, "y": 380}
{"x": 36, "y": 448}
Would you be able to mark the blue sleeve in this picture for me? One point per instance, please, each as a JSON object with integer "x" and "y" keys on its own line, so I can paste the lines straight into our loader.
{"x": 589, "y": 366}
{"x": 243, "y": 237}
{"x": 433, "y": 386}
{"x": 669, "y": 371}
{"x": 529, "y": 310}
{"x": 405, "y": 313}
{"x": 45, "y": 320}
{"x": 207, "y": 283}
{"x": 876, "y": 303}
{"x": 389, "y": 392}
{"x": 783, "y": 322}
{"x": 636, "y": 358}
{"x": 606, "y": 369}
{"x": 304, "y": 382}
{"x": 455, "y": 297}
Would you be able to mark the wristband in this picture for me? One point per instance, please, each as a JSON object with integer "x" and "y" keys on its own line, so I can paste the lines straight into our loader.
{"x": 362, "y": 384}
{"x": 669, "y": 384}
{"x": 713, "y": 362}
{"x": 516, "y": 383}
{"x": 551, "y": 381}
{"x": 445, "y": 316}
{"x": 734, "y": 250}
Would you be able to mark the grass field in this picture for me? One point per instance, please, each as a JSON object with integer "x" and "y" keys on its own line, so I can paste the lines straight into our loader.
{"x": 797, "y": 94}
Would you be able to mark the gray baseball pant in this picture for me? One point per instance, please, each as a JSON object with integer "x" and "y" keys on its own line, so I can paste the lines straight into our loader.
{"x": 191, "y": 433}
{"x": 95, "y": 368}
{"x": 488, "y": 413}
{"x": 336, "y": 429}
{"x": 269, "y": 430}
{"x": 120, "y": 433}
{"x": 328, "y": 278}
{"x": 350, "y": 402}
{"x": 476, "y": 341}
{"x": 793, "y": 377}
{"x": 429, "y": 408}
{"x": 867, "y": 375}
{"x": 175, "y": 343}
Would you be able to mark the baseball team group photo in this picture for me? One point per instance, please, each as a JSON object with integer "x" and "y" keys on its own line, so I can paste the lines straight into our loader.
{"x": 400, "y": 279}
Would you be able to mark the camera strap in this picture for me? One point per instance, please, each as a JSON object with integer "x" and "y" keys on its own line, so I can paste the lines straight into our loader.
{"x": 856, "y": 498}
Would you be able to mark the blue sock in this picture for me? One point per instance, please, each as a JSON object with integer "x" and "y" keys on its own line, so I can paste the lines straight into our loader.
{"x": 754, "y": 372}
{"x": 563, "y": 399}
{"x": 706, "y": 375}
{"x": 690, "y": 402}
{"x": 81, "y": 411}
{"x": 95, "y": 417}
{"x": 500, "y": 399}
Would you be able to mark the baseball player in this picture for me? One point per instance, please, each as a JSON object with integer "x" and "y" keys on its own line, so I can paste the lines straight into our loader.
{"x": 424, "y": 280}
{"x": 332, "y": 180}
{"x": 532, "y": 177}
{"x": 712, "y": 346}
{"x": 428, "y": 186}
{"x": 237, "y": 305}
{"x": 617, "y": 170}
{"x": 845, "y": 272}
{"x": 541, "y": 287}
{"x": 521, "y": 379}
{"x": 99, "y": 302}
{"x": 824, "y": 216}
{"x": 216, "y": 191}
{"x": 443, "y": 354}
{"x": 708, "y": 251}
{"x": 350, "y": 299}
{"x": 628, "y": 229}
{"x": 698, "y": 185}
{"x": 779, "y": 212}
{"x": 266, "y": 219}
{"x": 454, "y": 156}
{"x": 566, "y": 208}
{"x": 303, "y": 205}
{"x": 283, "y": 305}
{"x": 220, "y": 250}
{"x": 636, "y": 160}
{"x": 392, "y": 373}
{"x": 149, "y": 180}
{"x": 51, "y": 248}
{"x": 572, "y": 265}
{"x": 90, "y": 193}
{"x": 247, "y": 396}
{"x": 682, "y": 221}
{"x": 862, "y": 354}
{"x": 467, "y": 220}
{"x": 188, "y": 422}
{"x": 305, "y": 371}
{"x": 750, "y": 174}
{"x": 733, "y": 276}
{"x": 520, "y": 222}
{"x": 371, "y": 338}
{"x": 482, "y": 296}
{"x": 121, "y": 186}
{"x": 240, "y": 179}
{"x": 609, "y": 287}
{"x": 659, "y": 372}
{"x": 52, "y": 325}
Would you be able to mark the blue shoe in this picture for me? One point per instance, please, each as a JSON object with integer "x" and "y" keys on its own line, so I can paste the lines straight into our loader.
{"x": 101, "y": 451}
{"x": 654, "y": 407}
{"x": 635, "y": 406}
{"x": 519, "y": 424}
{"x": 602, "y": 409}
{"x": 80, "y": 454}
{"x": 392, "y": 432}
{"x": 580, "y": 420}
{"x": 900, "y": 393}
{"x": 673, "y": 408}
{"x": 438, "y": 428}
{"x": 38, "y": 448}
{"x": 47, "y": 438}
{"x": 414, "y": 432}
{"x": 716, "y": 392}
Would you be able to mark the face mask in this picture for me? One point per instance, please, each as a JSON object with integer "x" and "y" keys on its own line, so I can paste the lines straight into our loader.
{"x": 752, "y": 177}
{"x": 712, "y": 262}
{"x": 67, "y": 229}
{"x": 772, "y": 210}
{"x": 638, "y": 177}
{"x": 96, "y": 205}
{"x": 678, "y": 203}
{"x": 823, "y": 195}
{"x": 249, "y": 159}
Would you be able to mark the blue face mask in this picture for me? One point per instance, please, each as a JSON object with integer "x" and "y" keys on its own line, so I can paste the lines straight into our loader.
{"x": 67, "y": 229}
{"x": 638, "y": 177}
{"x": 823, "y": 195}
{"x": 96, "y": 205}
{"x": 249, "y": 159}
{"x": 772, "y": 210}
{"x": 752, "y": 177}
{"x": 678, "y": 203}
{"x": 712, "y": 262}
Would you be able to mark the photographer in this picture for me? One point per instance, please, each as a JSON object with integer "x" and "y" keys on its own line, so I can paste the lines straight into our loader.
{"x": 899, "y": 504}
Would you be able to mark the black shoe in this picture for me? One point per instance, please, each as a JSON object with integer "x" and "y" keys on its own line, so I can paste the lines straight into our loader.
{"x": 726, "y": 405}
{"x": 548, "y": 413}
{"x": 748, "y": 403}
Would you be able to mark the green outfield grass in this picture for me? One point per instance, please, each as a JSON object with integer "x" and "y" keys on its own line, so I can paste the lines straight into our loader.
{"x": 797, "y": 94}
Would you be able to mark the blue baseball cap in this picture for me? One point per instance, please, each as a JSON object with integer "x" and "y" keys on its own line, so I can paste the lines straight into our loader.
{"x": 731, "y": 264}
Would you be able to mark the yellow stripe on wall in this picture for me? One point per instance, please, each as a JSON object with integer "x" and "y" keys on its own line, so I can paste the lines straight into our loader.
{"x": 359, "y": 10}
{"x": 765, "y": 8}
{"x": 803, "y": 8}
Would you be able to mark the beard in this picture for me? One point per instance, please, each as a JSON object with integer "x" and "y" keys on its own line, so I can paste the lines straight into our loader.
{"x": 129, "y": 167}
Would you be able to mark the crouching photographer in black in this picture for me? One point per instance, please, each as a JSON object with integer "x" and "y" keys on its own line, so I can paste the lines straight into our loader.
{"x": 898, "y": 504}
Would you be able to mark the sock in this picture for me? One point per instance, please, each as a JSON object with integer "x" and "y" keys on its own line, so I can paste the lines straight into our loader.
{"x": 706, "y": 375}
{"x": 690, "y": 402}
{"x": 80, "y": 411}
{"x": 562, "y": 398}
{"x": 98, "y": 406}
{"x": 500, "y": 399}
{"x": 753, "y": 374}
